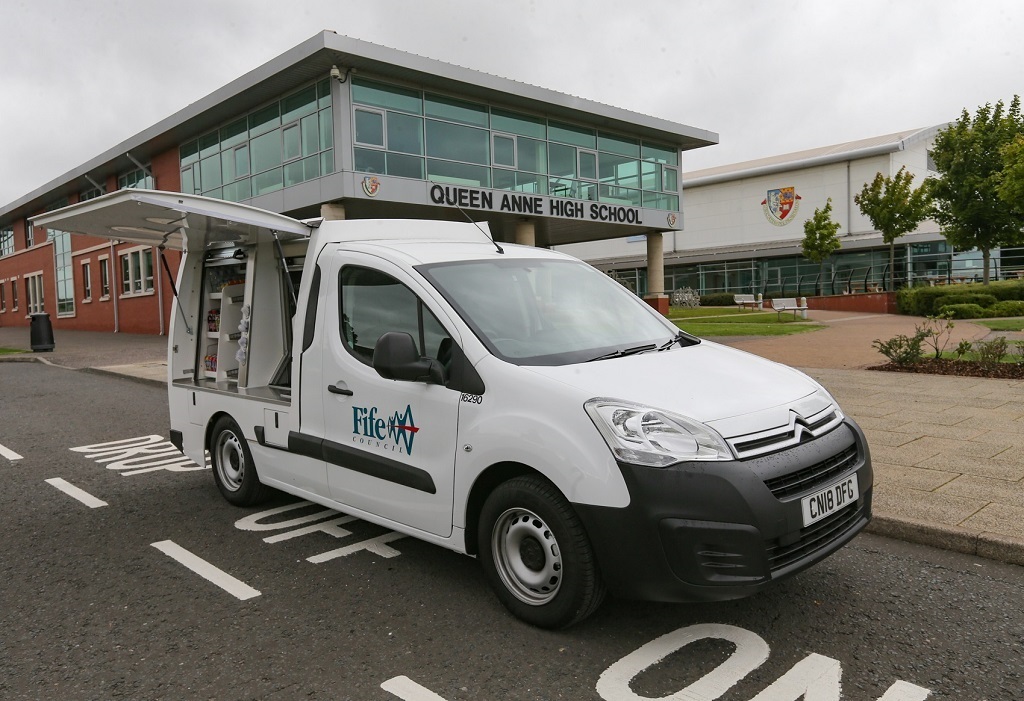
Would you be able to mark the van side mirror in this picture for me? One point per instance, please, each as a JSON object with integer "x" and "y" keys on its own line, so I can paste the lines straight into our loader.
{"x": 395, "y": 358}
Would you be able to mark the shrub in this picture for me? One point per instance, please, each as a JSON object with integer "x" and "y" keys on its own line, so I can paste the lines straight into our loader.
{"x": 980, "y": 298}
{"x": 901, "y": 349}
{"x": 936, "y": 331}
{"x": 964, "y": 311}
{"x": 717, "y": 299}
{"x": 906, "y": 301}
{"x": 991, "y": 352}
{"x": 962, "y": 349}
{"x": 1010, "y": 307}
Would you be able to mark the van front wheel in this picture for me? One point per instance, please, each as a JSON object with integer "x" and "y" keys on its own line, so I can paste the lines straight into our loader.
{"x": 536, "y": 554}
{"x": 233, "y": 468}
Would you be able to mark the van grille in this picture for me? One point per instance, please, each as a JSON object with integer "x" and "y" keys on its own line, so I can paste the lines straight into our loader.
{"x": 814, "y": 476}
{"x": 799, "y": 430}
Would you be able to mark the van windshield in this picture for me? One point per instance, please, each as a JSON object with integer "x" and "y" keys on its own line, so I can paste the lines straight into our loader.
{"x": 548, "y": 312}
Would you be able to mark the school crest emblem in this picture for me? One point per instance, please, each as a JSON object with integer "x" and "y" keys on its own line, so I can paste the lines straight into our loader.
{"x": 780, "y": 205}
{"x": 371, "y": 185}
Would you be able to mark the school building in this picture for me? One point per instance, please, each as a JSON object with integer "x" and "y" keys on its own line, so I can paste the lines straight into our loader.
{"x": 339, "y": 127}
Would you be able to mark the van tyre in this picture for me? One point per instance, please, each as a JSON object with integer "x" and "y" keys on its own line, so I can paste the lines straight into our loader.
{"x": 536, "y": 554}
{"x": 233, "y": 468}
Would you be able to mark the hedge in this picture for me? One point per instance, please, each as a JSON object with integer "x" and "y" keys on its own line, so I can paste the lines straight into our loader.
{"x": 717, "y": 299}
{"x": 925, "y": 301}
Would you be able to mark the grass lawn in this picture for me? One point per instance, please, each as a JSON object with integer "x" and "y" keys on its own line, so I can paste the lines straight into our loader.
{"x": 8, "y": 351}
{"x": 725, "y": 321}
{"x": 1015, "y": 324}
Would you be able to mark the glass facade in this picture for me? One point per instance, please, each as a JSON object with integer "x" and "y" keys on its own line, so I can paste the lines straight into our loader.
{"x": 414, "y": 134}
{"x": 62, "y": 262}
{"x": 278, "y": 145}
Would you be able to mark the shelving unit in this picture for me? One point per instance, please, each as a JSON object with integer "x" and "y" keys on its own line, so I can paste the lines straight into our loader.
{"x": 222, "y": 316}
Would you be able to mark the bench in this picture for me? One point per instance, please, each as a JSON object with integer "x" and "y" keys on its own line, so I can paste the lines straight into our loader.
{"x": 743, "y": 300}
{"x": 788, "y": 304}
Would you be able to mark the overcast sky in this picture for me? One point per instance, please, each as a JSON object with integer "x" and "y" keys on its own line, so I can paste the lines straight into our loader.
{"x": 77, "y": 77}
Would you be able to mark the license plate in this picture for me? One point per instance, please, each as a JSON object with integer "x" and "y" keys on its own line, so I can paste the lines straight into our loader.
{"x": 830, "y": 499}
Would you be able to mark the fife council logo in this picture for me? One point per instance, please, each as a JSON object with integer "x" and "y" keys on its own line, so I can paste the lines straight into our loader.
{"x": 395, "y": 433}
{"x": 781, "y": 205}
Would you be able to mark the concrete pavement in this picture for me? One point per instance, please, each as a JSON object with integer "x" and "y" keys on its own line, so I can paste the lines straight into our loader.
{"x": 948, "y": 452}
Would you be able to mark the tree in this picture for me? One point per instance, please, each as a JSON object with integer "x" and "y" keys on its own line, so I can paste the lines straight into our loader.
{"x": 1011, "y": 180}
{"x": 894, "y": 207}
{"x": 969, "y": 156}
{"x": 820, "y": 236}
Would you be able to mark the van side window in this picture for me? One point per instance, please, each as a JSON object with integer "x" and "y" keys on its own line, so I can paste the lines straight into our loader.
{"x": 374, "y": 303}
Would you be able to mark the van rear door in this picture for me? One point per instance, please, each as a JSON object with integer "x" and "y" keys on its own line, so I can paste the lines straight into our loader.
{"x": 170, "y": 220}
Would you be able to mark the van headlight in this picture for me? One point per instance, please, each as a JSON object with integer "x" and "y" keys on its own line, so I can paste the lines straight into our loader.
{"x": 643, "y": 435}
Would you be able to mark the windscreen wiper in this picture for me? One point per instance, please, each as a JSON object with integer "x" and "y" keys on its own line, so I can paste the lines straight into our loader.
{"x": 624, "y": 352}
{"x": 682, "y": 338}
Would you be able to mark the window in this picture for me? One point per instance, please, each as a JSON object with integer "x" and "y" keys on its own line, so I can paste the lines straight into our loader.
{"x": 90, "y": 194}
{"x": 104, "y": 278}
{"x": 137, "y": 272}
{"x": 137, "y": 178}
{"x": 3, "y": 296}
{"x": 6, "y": 241}
{"x": 279, "y": 145}
{"x": 14, "y": 294}
{"x": 86, "y": 283}
{"x": 34, "y": 293}
{"x": 29, "y": 234}
{"x": 373, "y": 303}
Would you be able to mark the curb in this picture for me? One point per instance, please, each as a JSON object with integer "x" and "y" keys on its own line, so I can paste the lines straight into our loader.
{"x": 992, "y": 546}
{"x": 133, "y": 378}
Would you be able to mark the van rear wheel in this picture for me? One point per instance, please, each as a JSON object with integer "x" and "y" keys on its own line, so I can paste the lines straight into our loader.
{"x": 536, "y": 554}
{"x": 233, "y": 468}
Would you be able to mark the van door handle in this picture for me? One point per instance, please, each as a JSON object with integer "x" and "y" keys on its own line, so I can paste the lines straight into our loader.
{"x": 340, "y": 389}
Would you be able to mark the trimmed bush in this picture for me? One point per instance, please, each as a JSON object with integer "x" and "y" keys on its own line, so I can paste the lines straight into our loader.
{"x": 964, "y": 311}
{"x": 979, "y": 298}
{"x": 717, "y": 299}
{"x": 925, "y": 301}
{"x": 1010, "y": 307}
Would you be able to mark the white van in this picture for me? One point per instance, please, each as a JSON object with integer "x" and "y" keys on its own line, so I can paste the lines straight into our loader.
{"x": 502, "y": 401}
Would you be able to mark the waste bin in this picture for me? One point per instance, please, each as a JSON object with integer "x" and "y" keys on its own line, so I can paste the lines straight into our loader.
{"x": 41, "y": 332}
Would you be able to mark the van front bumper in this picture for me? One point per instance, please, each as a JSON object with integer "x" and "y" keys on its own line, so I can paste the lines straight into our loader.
{"x": 714, "y": 531}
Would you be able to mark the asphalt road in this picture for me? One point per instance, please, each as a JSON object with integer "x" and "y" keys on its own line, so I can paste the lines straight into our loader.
{"x": 96, "y": 601}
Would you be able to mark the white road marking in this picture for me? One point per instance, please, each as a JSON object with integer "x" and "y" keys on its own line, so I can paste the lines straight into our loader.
{"x": 751, "y": 652}
{"x": 8, "y": 453}
{"x": 204, "y": 569}
{"x": 905, "y": 691}
{"x": 374, "y": 545}
{"x": 408, "y": 690}
{"x": 73, "y": 491}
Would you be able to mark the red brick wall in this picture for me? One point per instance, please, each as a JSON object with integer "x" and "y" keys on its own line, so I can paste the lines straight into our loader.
{"x": 871, "y": 302}
{"x": 140, "y": 314}
{"x": 26, "y": 262}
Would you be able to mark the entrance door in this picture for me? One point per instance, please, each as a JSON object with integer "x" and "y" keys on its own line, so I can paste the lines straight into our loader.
{"x": 389, "y": 444}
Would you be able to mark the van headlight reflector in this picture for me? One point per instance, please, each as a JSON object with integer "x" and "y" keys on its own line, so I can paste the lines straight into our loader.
{"x": 643, "y": 435}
